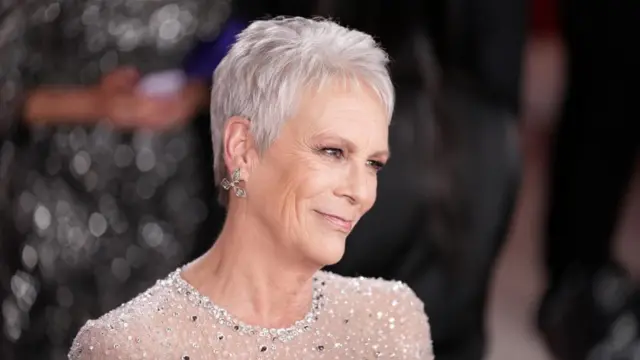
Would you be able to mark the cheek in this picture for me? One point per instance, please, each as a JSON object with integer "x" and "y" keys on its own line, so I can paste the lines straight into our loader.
{"x": 304, "y": 180}
{"x": 306, "y": 186}
{"x": 285, "y": 185}
{"x": 304, "y": 174}
{"x": 276, "y": 186}
{"x": 372, "y": 194}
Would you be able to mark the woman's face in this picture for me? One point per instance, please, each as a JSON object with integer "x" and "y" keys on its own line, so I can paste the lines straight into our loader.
{"x": 319, "y": 177}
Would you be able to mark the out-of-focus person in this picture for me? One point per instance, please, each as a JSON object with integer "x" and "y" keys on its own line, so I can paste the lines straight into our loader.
{"x": 100, "y": 179}
{"x": 300, "y": 111}
{"x": 591, "y": 309}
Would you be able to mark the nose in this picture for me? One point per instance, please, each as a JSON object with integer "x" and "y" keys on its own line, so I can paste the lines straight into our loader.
{"x": 358, "y": 186}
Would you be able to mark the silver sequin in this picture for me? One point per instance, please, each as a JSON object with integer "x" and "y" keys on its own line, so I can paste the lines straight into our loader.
{"x": 353, "y": 322}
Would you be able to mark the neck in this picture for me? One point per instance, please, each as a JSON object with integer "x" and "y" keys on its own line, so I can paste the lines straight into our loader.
{"x": 250, "y": 275}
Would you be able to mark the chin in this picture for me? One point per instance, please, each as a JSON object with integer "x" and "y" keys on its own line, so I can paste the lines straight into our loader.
{"x": 327, "y": 251}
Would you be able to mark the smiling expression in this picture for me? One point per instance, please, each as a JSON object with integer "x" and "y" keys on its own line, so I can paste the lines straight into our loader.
{"x": 319, "y": 177}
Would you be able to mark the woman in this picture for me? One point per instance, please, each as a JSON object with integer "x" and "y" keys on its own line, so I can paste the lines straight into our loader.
{"x": 440, "y": 231}
{"x": 300, "y": 113}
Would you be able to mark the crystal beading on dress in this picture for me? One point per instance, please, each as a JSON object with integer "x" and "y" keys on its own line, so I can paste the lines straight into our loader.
{"x": 352, "y": 318}
{"x": 224, "y": 318}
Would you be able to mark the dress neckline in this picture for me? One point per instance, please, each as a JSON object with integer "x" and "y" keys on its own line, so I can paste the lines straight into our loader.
{"x": 225, "y": 318}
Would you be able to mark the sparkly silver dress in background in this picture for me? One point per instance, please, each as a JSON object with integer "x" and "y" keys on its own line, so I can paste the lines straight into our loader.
{"x": 350, "y": 318}
{"x": 89, "y": 216}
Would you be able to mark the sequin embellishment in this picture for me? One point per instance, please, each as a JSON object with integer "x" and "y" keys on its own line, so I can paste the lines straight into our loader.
{"x": 355, "y": 319}
{"x": 226, "y": 319}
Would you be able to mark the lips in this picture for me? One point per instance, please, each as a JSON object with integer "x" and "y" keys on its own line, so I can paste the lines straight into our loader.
{"x": 339, "y": 222}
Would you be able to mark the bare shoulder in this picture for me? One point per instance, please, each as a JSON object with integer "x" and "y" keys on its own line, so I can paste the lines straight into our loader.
{"x": 390, "y": 307}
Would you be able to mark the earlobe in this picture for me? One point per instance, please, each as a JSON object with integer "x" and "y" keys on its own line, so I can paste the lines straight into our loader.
{"x": 237, "y": 143}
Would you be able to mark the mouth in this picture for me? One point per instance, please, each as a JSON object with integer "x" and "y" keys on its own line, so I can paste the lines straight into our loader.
{"x": 338, "y": 222}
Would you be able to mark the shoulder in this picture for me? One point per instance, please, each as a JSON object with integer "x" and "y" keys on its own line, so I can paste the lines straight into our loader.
{"x": 388, "y": 306}
{"x": 96, "y": 340}
{"x": 123, "y": 332}
{"x": 388, "y": 294}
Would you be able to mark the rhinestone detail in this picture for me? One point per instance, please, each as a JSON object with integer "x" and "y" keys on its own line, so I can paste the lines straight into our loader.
{"x": 226, "y": 319}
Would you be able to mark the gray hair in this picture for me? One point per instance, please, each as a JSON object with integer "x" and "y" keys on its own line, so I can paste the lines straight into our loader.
{"x": 271, "y": 61}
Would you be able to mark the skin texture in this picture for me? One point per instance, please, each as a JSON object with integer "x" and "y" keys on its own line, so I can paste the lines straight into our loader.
{"x": 304, "y": 195}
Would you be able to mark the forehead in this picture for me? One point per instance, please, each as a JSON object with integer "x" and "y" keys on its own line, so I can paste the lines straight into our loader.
{"x": 351, "y": 109}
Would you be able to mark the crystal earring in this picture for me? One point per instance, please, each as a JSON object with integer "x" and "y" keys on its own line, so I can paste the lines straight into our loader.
{"x": 234, "y": 184}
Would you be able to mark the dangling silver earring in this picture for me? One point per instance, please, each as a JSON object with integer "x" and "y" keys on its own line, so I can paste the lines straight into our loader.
{"x": 234, "y": 184}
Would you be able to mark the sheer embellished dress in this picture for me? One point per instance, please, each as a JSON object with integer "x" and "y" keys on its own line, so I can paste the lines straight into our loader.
{"x": 350, "y": 318}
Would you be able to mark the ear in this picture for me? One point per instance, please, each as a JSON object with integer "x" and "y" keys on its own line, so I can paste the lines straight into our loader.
{"x": 238, "y": 145}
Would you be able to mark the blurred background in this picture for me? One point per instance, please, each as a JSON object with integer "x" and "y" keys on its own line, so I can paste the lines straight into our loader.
{"x": 515, "y": 137}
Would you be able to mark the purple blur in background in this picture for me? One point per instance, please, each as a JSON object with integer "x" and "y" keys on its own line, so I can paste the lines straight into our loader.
{"x": 206, "y": 56}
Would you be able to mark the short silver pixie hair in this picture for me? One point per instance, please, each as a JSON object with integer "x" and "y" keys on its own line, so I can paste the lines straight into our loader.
{"x": 272, "y": 61}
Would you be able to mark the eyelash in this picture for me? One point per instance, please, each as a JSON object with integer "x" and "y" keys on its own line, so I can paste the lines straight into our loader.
{"x": 376, "y": 165}
{"x": 333, "y": 152}
{"x": 339, "y": 154}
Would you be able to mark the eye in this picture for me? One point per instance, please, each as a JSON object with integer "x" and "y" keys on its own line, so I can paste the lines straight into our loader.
{"x": 376, "y": 165}
{"x": 333, "y": 152}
